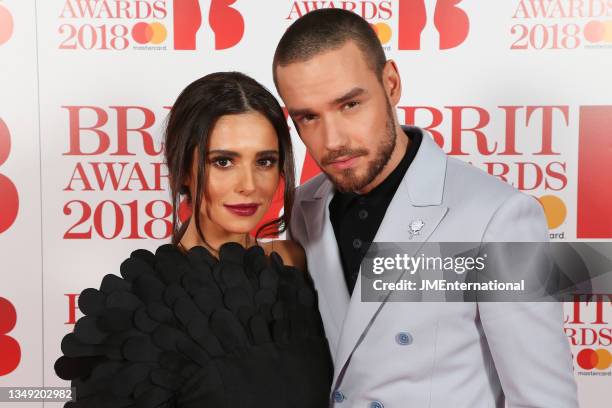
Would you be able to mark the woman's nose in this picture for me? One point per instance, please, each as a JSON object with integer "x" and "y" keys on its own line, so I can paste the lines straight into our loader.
{"x": 246, "y": 183}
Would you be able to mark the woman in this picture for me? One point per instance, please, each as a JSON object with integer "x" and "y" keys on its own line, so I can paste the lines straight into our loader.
{"x": 212, "y": 319}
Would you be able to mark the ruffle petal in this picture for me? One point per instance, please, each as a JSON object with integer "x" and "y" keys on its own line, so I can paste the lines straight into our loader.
{"x": 155, "y": 335}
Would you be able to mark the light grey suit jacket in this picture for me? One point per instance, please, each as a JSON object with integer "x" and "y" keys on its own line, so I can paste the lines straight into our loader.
{"x": 452, "y": 355}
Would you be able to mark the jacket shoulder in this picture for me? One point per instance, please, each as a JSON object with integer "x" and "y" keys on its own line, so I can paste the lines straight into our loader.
{"x": 466, "y": 180}
{"x": 309, "y": 188}
{"x": 504, "y": 212}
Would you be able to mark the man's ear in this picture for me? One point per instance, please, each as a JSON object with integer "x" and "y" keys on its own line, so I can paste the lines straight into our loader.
{"x": 392, "y": 82}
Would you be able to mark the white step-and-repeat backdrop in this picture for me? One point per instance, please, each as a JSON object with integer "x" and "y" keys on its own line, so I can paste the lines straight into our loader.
{"x": 519, "y": 88}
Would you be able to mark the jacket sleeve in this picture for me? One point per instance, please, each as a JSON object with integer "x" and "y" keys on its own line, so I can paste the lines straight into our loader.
{"x": 527, "y": 342}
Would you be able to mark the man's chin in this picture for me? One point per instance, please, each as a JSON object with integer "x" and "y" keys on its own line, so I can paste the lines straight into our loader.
{"x": 347, "y": 182}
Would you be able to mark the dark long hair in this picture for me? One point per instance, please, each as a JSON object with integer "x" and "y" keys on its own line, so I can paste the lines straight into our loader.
{"x": 190, "y": 124}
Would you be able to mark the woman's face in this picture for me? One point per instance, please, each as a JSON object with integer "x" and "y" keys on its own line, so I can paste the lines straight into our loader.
{"x": 242, "y": 174}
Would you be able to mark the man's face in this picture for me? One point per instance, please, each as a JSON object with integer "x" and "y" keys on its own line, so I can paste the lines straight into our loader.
{"x": 342, "y": 113}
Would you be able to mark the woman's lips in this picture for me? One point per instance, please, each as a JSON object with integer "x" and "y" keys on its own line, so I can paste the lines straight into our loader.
{"x": 244, "y": 210}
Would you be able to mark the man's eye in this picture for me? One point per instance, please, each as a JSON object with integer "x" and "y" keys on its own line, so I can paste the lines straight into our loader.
{"x": 307, "y": 118}
{"x": 222, "y": 162}
{"x": 351, "y": 105}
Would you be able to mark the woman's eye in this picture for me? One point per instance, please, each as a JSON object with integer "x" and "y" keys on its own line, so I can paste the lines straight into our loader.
{"x": 222, "y": 162}
{"x": 266, "y": 162}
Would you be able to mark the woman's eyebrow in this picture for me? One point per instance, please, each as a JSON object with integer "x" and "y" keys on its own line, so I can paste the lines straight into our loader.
{"x": 267, "y": 152}
{"x": 229, "y": 153}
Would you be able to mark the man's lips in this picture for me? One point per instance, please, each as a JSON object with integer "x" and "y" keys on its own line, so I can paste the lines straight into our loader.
{"x": 344, "y": 162}
{"x": 244, "y": 210}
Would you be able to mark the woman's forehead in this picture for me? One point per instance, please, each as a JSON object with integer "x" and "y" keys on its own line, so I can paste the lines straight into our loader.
{"x": 244, "y": 131}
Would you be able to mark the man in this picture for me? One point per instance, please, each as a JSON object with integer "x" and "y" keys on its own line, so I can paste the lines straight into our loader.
{"x": 384, "y": 183}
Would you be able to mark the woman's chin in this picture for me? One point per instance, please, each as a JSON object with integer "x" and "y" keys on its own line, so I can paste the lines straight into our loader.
{"x": 241, "y": 226}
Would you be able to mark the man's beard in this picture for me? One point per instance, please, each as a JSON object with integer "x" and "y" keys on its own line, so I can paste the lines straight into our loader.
{"x": 347, "y": 180}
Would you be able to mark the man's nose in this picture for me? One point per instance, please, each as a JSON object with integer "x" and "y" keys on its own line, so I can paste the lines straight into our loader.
{"x": 333, "y": 134}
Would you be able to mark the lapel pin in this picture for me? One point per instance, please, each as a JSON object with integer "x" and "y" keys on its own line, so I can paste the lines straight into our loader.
{"x": 415, "y": 227}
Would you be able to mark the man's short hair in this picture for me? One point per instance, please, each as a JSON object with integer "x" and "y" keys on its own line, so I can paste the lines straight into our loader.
{"x": 325, "y": 30}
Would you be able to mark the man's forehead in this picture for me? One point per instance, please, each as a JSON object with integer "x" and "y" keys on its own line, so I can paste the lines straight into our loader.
{"x": 348, "y": 57}
{"x": 323, "y": 78}
{"x": 348, "y": 50}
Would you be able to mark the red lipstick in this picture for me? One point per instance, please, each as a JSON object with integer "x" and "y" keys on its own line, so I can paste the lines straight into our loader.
{"x": 244, "y": 210}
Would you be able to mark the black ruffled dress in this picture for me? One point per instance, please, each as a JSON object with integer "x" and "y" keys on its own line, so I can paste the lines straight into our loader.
{"x": 188, "y": 330}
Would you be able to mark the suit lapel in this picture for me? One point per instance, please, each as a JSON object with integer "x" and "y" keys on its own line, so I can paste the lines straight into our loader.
{"x": 418, "y": 198}
{"x": 324, "y": 257}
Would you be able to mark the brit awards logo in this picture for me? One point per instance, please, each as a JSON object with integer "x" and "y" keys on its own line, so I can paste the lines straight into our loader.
{"x": 415, "y": 20}
{"x": 6, "y": 24}
{"x": 450, "y": 21}
{"x": 104, "y": 25}
{"x": 587, "y": 326}
{"x": 149, "y": 25}
{"x": 377, "y": 13}
{"x": 594, "y": 173}
{"x": 9, "y": 347}
{"x": 561, "y": 25}
{"x": 112, "y": 190}
{"x": 226, "y": 22}
{"x": 9, "y": 198}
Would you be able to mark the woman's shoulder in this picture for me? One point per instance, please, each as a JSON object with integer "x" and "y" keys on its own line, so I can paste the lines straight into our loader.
{"x": 291, "y": 252}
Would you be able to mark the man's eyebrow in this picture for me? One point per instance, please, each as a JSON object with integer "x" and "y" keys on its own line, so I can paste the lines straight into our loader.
{"x": 294, "y": 113}
{"x": 353, "y": 93}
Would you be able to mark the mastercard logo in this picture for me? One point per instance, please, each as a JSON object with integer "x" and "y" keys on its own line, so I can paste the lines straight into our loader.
{"x": 383, "y": 31}
{"x": 149, "y": 33}
{"x": 10, "y": 350}
{"x": 597, "y": 31}
{"x": 589, "y": 359}
{"x": 6, "y": 25}
{"x": 555, "y": 210}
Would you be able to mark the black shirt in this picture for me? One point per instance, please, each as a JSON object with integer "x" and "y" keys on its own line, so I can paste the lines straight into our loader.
{"x": 356, "y": 217}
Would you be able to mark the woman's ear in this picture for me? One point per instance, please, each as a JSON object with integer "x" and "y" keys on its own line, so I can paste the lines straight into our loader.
{"x": 185, "y": 183}
{"x": 182, "y": 189}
